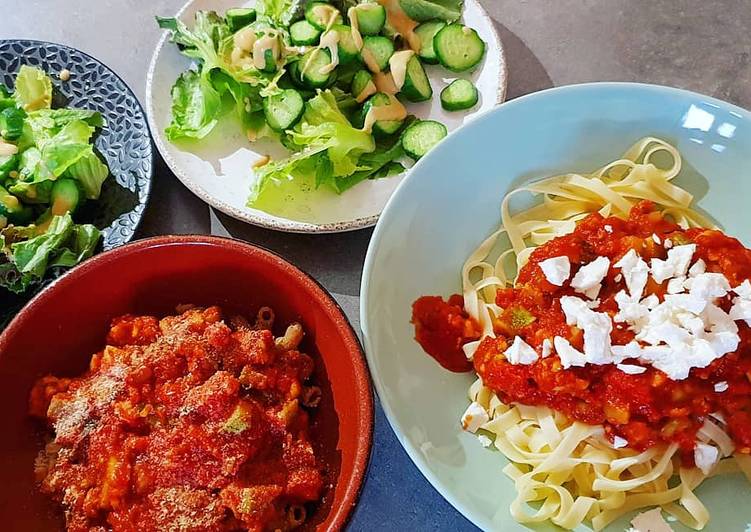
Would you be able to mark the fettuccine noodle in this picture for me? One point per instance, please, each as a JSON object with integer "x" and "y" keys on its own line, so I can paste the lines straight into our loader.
{"x": 568, "y": 470}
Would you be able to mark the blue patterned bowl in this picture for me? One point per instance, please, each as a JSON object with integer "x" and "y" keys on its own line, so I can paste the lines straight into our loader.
{"x": 125, "y": 142}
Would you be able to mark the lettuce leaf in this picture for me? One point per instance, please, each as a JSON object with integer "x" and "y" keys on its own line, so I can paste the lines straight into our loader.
{"x": 90, "y": 172}
{"x": 423, "y": 10}
{"x": 195, "y": 107}
{"x": 33, "y": 89}
{"x": 281, "y": 12}
{"x": 329, "y": 145}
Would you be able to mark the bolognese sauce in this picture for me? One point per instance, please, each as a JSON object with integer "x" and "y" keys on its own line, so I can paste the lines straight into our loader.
{"x": 644, "y": 405}
{"x": 189, "y": 422}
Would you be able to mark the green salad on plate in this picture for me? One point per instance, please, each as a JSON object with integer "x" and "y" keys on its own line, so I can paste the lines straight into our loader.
{"x": 330, "y": 81}
{"x": 48, "y": 168}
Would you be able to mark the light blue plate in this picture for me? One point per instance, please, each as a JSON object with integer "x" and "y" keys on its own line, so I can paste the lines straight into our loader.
{"x": 450, "y": 203}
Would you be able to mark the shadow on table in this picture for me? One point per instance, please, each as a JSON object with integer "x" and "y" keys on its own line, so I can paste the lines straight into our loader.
{"x": 525, "y": 72}
{"x": 335, "y": 260}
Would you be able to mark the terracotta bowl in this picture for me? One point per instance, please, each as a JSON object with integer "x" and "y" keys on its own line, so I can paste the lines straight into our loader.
{"x": 57, "y": 332}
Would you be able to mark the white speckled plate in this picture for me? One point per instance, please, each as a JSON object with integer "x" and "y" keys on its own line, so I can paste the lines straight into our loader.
{"x": 218, "y": 168}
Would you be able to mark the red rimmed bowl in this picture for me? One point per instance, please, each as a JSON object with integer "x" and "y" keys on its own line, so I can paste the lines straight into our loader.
{"x": 57, "y": 332}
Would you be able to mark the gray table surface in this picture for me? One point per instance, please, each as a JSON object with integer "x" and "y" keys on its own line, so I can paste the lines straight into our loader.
{"x": 699, "y": 45}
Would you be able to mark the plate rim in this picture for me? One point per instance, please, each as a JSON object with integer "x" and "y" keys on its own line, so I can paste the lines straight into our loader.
{"x": 152, "y": 156}
{"x": 377, "y": 238}
{"x": 274, "y": 222}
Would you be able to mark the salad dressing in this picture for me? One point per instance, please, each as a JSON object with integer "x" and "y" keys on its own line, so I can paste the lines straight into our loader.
{"x": 383, "y": 80}
{"x": 368, "y": 91}
{"x": 355, "y": 25}
{"x": 399, "y": 20}
{"x": 398, "y": 63}
{"x": 269, "y": 41}
{"x": 7, "y": 149}
{"x": 393, "y": 111}
{"x": 329, "y": 40}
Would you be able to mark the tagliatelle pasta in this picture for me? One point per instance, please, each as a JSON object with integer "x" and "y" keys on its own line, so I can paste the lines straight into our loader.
{"x": 566, "y": 471}
{"x": 573, "y": 474}
{"x": 566, "y": 199}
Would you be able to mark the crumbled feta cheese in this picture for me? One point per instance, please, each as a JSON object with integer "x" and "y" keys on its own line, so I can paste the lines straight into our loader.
{"x": 631, "y": 369}
{"x": 619, "y": 443}
{"x": 556, "y": 269}
{"x": 651, "y": 301}
{"x": 656, "y": 239}
{"x": 667, "y": 244}
{"x": 470, "y": 348}
{"x": 474, "y": 417}
{"x": 709, "y": 285}
{"x": 676, "y": 265}
{"x": 634, "y": 271}
{"x": 721, "y": 386}
{"x": 587, "y": 280}
{"x": 608, "y": 228}
{"x": 687, "y": 302}
{"x": 741, "y": 309}
{"x": 520, "y": 352}
{"x": 651, "y": 521}
{"x": 698, "y": 267}
{"x": 705, "y": 456}
{"x": 675, "y": 285}
{"x": 743, "y": 290}
{"x": 630, "y": 350}
{"x": 597, "y": 327}
{"x": 569, "y": 355}
{"x": 547, "y": 348}
{"x": 485, "y": 441}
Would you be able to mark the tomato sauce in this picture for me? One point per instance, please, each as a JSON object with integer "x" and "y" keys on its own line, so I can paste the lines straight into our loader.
{"x": 190, "y": 422}
{"x": 442, "y": 328}
{"x": 648, "y": 408}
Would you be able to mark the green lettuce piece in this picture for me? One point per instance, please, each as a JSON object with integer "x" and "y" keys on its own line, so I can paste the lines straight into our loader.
{"x": 33, "y": 89}
{"x": 35, "y": 193}
{"x": 80, "y": 246}
{"x": 195, "y": 107}
{"x": 11, "y": 122}
{"x": 329, "y": 145}
{"x": 380, "y": 163}
{"x": 281, "y": 12}
{"x": 90, "y": 172}
{"x": 423, "y": 10}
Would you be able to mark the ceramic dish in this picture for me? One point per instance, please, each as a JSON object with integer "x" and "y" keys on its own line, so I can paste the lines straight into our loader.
{"x": 125, "y": 142}
{"x": 218, "y": 168}
{"x": 434, "y": 220}
{"x": 64, "y": 324}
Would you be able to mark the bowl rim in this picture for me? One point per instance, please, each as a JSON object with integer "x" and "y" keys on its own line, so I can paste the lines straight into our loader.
{"x": 152, "y": 147}
{"x": 363, "y": 451}
{"x": 276, "y": 223}
{"x": 377, "y": 242}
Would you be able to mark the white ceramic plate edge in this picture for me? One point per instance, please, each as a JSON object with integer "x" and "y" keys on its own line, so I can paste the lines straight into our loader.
{"x": 270, "y": 221}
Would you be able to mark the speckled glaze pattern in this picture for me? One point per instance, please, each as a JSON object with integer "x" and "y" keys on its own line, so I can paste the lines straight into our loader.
{"x": 125, "y": 141}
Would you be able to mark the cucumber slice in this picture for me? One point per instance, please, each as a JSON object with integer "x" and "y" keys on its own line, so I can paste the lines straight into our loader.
{"x": 239, "y": 17}
{"x": 303, "y": 33}
{"x": 426, "y": 32}
{"x": 362, "y": 85}
{"x": 382, "y": 128}
{"x": 322, "y": 15}
{"x": 416, "y": 86}
{"x": 379, "y": 49}
{"x": 65, "y": 196}
{"x": 283, "y": 110}
{"x": 458, "y": 47}
{"x": 419, "y": 138}
{"x": 269, "y": 62}
{"x": 458, "y": 95}
{"x": 309, "y": 68}
{"x": 370, "y": 18}
{"x": 347, "y": 49}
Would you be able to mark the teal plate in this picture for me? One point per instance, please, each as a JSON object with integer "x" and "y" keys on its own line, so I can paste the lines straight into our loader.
{"x": 451, "y": 201}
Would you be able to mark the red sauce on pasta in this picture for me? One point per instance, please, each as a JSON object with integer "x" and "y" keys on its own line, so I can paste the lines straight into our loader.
{"x": 190, "y": 422}
{"x": 647, "y": 408}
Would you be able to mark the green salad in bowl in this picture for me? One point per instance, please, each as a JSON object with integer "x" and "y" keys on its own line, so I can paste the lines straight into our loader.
{"x": 329, "y": 81}
{"x": 48, "y": 168}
